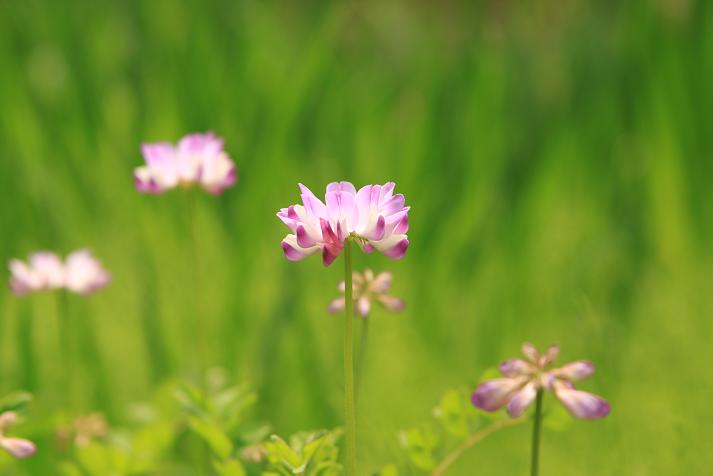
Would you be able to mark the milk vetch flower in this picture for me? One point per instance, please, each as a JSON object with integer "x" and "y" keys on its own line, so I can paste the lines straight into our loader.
{"x": 197, "y": 159}
{"x": 523, "y": 378}
{"x": 373, "y": 217}
{"x": 367, "y": 288}
{"x": 80, "y": 273}
{"x": 17, "y": 447}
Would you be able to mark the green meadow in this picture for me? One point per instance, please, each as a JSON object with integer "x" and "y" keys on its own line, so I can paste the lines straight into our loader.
{"x": 556, "y": 159}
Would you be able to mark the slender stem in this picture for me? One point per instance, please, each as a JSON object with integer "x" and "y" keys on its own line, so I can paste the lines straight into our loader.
{"x": 349, "y": 413}
{"x": 472, "y": 440}
{"x": 64, "y": 323}
{"x": 364, "y": 338}
{"x": 534, "y": 465}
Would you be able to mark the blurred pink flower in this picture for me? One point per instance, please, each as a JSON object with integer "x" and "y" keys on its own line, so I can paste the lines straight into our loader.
{"x": 524, "y": 377}
{"x": 374, "y": 217}
{"x": 81, "y": 273}
{"x": 368, "y": 287}
{"x": 197, "y": 159}
{"x": 17, "y": 447}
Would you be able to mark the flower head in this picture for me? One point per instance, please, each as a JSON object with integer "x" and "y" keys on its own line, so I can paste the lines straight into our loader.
{"x": 17, "y": 447}
{"x": 196, "y": 159}
{"x": 373, "y": 217}
{"x": 368, "y": 287}
{"x": 524, "y": 377}
{"x": 80, "y": 273}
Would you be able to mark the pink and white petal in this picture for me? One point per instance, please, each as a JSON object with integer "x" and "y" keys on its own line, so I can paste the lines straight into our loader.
{"x": 363, "y": 306}
{"x": 7, "y": 419}
{"x": 381, "y": 283}
{"x": 49, "y": 269}
{"x": 347, "y": 187}
{"x": 574, "y": 371}
{"x": 337, "y": 305}
{"x": 342, "y": 286}
{"x": 516, "y": 368}
{"x": 342, "y": 210}
{"x": 386, "y": 191}
{"x": 393, "y": 246}
{"x": 23, "y": 279}
{"x": 303, "y": 238}
{"x": 295, "y": 252}
{"x": 494, "y": 394}
{"x": 522, "y": 400}
{"x": 393, "y": 205}
{"x": 313, "y": 205}
{"x": 550, "y": 355}
{"x": 18, "y": 447}
{"x": 581, "y": 404}
{"x": 218, "y": 173}
{"x": 377, "y": 231}
{"x": 160, "y": 154}
{"x": 391, "y": 303}
{"x": 531, "y": 352}
{"x": 198, "y": 143}
{"x": 84, "y": 274}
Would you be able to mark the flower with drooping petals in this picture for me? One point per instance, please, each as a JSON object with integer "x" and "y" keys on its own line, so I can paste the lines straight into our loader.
{"x": 80, "y": 273}
{"x": 17, "y": 447}
{"x": 523, "y": 378}
{"x": 374, "y": 217}
{"x": 196, "y": 159}
{"x": 368, "y": 287}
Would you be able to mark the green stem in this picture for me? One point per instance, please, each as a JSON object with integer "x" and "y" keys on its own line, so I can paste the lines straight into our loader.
{"x": 534, "y": 465}
{"x": 64, "y": 323}
{"x": 349, "y": 412}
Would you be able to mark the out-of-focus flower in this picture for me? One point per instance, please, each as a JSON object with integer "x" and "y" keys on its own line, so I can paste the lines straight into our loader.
{"x": 523, "y": 378}
{"x": 197, "y": 159}
{"x": 84, "y": 274}
{"x": 17, "y": 447}
{"x": 89, "y": 427}
{"x": 373, "y": 217}
{"x": 80, "y": 273}
{"x": 368, "y": 287}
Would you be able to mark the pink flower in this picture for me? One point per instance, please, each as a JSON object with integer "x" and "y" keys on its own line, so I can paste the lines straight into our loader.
{"x": 368, "y": 287}
{"x": 373, "y": 217}
{"x": 17, "y": 447}
{"x": 197, "y": 159}
{"x": 80, "y": 273}
{"x": 524, "y": 377}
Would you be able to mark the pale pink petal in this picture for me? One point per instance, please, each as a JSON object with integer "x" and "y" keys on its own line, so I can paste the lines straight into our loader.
{"x": 391, "y": 303}
{"x": 580, "y": 404}
{"x": 342, "y": 210}
{"x": 494, "y": 394}
{"x": 217, "y": 173}
{"x": 363, "y": 306}
{"x": 293, "y": 251}
{"x": 337, "y": 305}
{"x": 575, "y": 371}
{"x": 381, "y": 283}
{"x": 200, "y": 144}
{"x": 313, "y": 206}
{"x": 18, "y": 447}
{"x": 84, "y": 273}
{"x": 23, "y": 279}
{"x": 522, "y": 400}
{"x": 516, "y": 368}
{"x": 347, "y": 187}
{"x": 7, "y": 419}
{"x": 160, "y": 154}
{"x": 49, "y": 268}
{"x": 530, "y": 351}
{"x": 550, "y": 355}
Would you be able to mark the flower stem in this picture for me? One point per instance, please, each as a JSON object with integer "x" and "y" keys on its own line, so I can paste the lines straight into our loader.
{"x": 472, "y": 440}
{"x": 199, "y": 318}
{"x": 534, "y": 464}
{"x": 349, "y": 412}
{"x": 65, "y": 324}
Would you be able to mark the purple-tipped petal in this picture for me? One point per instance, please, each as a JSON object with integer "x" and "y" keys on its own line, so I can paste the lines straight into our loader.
{"x": 18, "y": 447}
{"x": 392, "y": 303}
{"x": 581, "y": 404}
{"x": 379, "y": 229}
{"x": 303, "y": 239}
{"x": 574, "y": 371}
{"x": 295, "y": 252}
{"x": 494, "y": 394}
{"x": 381, "y": 283}
{"x": 328, "y": 256}
{"x": 522, "y": 400}
{"x": 515, "y": 368}
{"x": 336, "y": 305}
{"x": 397, "y": 251}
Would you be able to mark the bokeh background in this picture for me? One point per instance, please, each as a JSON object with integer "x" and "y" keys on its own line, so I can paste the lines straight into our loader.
{"x": 556, "y": 156}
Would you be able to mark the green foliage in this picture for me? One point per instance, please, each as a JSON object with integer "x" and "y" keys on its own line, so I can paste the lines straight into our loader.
{"x": 307, "y": 453}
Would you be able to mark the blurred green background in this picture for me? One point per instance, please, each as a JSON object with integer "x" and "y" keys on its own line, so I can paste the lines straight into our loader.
{"x": 556, "y": 157}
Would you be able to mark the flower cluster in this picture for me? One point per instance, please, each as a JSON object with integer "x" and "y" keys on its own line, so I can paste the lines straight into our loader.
{"x": 523, "y": 378}
{"x": 80, "y": 273}
{"x": 368, "y": 287}
{"x": 197, "y": 159}
{"x": 374, "y": 217}
{"x": 17, "y": 447}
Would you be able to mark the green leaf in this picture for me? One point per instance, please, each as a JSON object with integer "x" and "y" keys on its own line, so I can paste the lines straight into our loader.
{"x": 451, "y": 413}
{"x": 390, "y": 470}
{"x": 231, "y": 467}
{"x": 15, "y": 402}
{"x": 211, "y": 433}
{"x": 419, "y": 444}
{"x": 279, "y": 452}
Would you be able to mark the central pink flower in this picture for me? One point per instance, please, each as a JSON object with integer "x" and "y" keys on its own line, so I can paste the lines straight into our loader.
{"x": 373, "y": 217}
